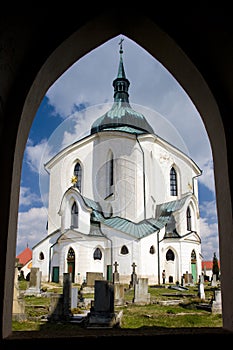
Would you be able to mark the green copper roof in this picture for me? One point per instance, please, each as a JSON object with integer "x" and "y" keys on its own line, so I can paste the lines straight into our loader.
{"x": 121, "y": 114}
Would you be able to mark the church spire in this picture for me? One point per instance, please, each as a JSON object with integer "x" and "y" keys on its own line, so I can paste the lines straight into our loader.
{"x": 121, "y": 116}
{"x": 121, "y": 83}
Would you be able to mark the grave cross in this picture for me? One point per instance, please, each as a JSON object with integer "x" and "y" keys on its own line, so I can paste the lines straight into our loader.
{"x": 115, "y": 265}
{"x": 133, "y": 266}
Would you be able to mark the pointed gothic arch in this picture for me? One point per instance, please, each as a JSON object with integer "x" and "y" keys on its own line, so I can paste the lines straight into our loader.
{"x": 78, "y": 175}
{"x": 173, "y": 182}
{"x": 188, "y": 219}
{"x": 200, "y": 92}
{"x": 110, "y": 174}
{"x": 71, "y": 263}
{"x": 74, "y": 215}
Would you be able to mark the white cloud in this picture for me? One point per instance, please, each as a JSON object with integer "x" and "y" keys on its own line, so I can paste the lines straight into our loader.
{"x": 31, "y": 227}
{"x": 208, "y": 208}
{"x": 33, "y": 154}
{"x": 207, "y": 177}
{"x": 209, "y": 239}
{"x": 27, "y": 197}
{"x": 209, "y": 230}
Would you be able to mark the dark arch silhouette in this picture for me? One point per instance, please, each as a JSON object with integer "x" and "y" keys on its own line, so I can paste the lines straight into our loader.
{"x": 36, "y": 52}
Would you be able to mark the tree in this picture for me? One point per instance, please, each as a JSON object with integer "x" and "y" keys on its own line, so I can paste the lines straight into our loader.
{"x": 215, "y": 267}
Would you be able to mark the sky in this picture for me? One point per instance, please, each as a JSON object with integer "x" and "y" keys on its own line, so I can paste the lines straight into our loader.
{"x": 84, "y": 93}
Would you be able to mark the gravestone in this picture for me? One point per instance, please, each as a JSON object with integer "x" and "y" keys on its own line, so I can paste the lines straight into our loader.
{"x": 119, "y": 294}
{"x": 217, "y": 302}
{"x": 56, "y": 308}
{"x": 188, "y": 278}
{"x": 116, "y": 277}
{"x": 102, "y": 310}
{"x": 214, "y": 281}
{"x": 141, "y": 295}
{"x": 201, "y": 291}
{"x": 91, "y": 277}
{"x": 74, "y": 297}
{"x": 67, "y": 278}
{"x": 34, "y": 282}
{"x": 133, "y": 280}
{"x": 18, "y": 310}
{"x": 60, "y": 304}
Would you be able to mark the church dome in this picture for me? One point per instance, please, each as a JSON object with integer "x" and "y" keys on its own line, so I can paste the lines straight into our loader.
{"x": 122, "y": 116}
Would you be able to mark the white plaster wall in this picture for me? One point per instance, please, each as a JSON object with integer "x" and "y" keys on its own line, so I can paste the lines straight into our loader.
{"x": 83, "y": 213}
{"x": 182, "y": 263}
{"x": 159, "y": 158}
{"x": 61, "y": 170}
{"x": 127, "y": 199}
{"x": 84, "y": 261}
{"x": 44, "y": 247}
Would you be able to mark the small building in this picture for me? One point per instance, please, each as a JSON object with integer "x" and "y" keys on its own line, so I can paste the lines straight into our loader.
{"x": 24, "y": 260}
{"x": 207, "y": 269}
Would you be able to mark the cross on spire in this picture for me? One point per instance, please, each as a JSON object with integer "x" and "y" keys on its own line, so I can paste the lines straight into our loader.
{"x": 120, "y": 43}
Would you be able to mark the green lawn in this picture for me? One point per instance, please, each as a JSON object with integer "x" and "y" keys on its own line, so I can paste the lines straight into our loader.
{"x": 154, "y": 314}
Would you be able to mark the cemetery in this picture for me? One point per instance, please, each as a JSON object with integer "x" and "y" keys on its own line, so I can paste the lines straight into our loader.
{"x": 100, "y": 304}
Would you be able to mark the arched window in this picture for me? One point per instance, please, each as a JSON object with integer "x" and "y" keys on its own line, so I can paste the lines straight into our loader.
{"x": 173, "y": 182}
{"x": 111, "y": 171}
{"x": 71, "y": 255}
{"x": 41, "y": 256}
{"x": 71, "y": 263}
{"x": 124, "y": 250}
{"x": 170, "y": 256}
{"x": 188, "y": 217}
{"x": 193, "y": 256}
{"x": 110, "y": 175}
{"x": 78, "y": 174}
{"x": 97, "y": 254}
{"x": 152, "y": 250}
{"x": 74, "y": 215}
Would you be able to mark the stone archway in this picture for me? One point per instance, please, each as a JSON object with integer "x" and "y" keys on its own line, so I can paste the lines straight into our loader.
{"x": 164, "y": 49}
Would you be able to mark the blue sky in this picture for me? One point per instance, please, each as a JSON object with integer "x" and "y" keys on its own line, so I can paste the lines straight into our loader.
{"x": 81, "y": 95}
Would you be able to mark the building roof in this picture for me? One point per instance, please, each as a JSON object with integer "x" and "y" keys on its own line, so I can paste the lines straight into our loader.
{"x": 208, "y": 265}
{"x": 143, "y": 228}
{"x": 121, "y": 114}
{"x": 25, "y": 256}
{"x": 137, "y": 230}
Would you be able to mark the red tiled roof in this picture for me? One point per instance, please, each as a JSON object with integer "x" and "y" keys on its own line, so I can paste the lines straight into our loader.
{"x": 25, "y": 256}
{"x": 208, "y": 265}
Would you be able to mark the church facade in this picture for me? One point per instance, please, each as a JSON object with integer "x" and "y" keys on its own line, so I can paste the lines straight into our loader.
{"x": 121, "y": 196}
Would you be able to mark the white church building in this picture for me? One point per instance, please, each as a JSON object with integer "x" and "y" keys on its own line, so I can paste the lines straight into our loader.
{"x": 121, "y": 195}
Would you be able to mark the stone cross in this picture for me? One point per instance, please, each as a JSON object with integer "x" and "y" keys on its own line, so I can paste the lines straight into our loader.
{"x": 133, "y": 266}
{"x": 115, "y": 265}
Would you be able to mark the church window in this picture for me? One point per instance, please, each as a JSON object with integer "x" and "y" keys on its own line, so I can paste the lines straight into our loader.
{"x": 124, "y": 250}
{"x": 193, "y": 256}
{"x": 111, "y": 171}
{"x": 41, "y": 256}
{"x": 97, "y": 254}
{"x": 110, "y": 175}
{"x": 152, "y": 250}
{"x": 173, "y": 182}
{"x": 74, "y": 215}
{"x": 71, "y": 254}
{"x": 78, "y": 174}
{"x": 170, "y": 256}
{"x": 188, "y": 217}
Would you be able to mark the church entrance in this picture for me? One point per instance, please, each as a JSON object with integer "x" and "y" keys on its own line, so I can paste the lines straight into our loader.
{"x": 71, "y": 263}
{"x": 55, "y": 274}
{"x": 194, "y": 266}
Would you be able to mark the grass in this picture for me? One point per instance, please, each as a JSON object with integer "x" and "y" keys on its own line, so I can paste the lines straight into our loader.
{"x": 155, "y": 314}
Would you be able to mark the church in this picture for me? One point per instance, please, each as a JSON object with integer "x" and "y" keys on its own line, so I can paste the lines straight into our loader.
{"x": 121, "y": 196}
